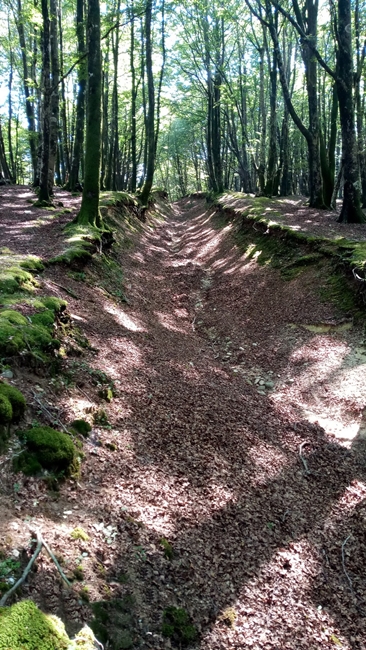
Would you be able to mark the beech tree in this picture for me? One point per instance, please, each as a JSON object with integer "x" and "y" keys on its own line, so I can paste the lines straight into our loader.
{"x": 89, "y": 211}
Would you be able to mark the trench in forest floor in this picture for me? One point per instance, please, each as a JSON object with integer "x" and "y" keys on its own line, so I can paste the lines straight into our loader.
{"x": 219, "y": 384}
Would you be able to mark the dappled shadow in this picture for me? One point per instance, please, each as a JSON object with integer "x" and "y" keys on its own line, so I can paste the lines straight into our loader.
{"x": 28, "y": 230}
{"x": 207, "y": 460}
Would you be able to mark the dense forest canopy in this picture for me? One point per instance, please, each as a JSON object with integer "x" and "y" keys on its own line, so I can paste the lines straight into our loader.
{"x": 254, "y": 96}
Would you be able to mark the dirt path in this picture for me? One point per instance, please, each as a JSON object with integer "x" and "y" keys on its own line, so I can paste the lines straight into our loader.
{"x": 220, "y": 390}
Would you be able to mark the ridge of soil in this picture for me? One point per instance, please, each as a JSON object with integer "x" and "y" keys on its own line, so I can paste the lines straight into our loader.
{"x": 236, "y": 435}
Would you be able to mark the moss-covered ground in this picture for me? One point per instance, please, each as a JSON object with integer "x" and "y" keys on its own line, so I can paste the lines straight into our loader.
{"x": 259, "y": 232}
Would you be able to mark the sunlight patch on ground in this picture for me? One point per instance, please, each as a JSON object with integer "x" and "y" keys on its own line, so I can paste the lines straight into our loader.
{"x": 268, "y": 461}
{"x": 124, "y": 319}
{"x": 169, "y": 322}
{"x": 263, "y": 613}
{"x": 180, "y": 500}
{"x": 326, "y": 382}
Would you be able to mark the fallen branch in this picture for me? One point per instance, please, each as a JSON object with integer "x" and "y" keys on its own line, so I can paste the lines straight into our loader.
{"x": 344, "y": 563}
{"x": 303, "y": 460}
{"x": 51, "y": 417}
{"x": 54, "y": 559}
{"x": 25, "y": 572}
{"x": 40, "y": 544}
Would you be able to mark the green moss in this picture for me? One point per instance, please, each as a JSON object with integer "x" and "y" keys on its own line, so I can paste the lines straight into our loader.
{"x": 79, "y": 533}
{"x": 106, "y": 393}
{"x": 53, "y": 303}
{"x": 78, "y": 573}
{"x": 168, "y": 549}
{"x": 16, "y": 399}
{"x": 32, "y": 263}
{"x": 85, "y": 639}
{"x": 228, "y": 616}
{"x": 177, "y": 626}
{"x": 81, "y": 426}
{"x": 44, "y": 318}
{"x": 6, "y": 411}
{"x": 24, "y": 627}
{"x": 18, "y": 334}
{"x": 100, "y": 417}
{"x": 47, "y": 449}
{"x": 14, "y": 317}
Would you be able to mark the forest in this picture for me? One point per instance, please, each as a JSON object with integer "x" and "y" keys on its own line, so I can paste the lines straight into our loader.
{"x": 254, "y": 97}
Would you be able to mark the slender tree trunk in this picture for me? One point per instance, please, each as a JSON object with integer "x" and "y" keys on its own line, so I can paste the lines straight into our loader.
{"x": 133, "y": 180}
{"x": 63, "y": 130}
{"x": 80, "y": 102}
{"x": 55, "y": 105}
{"x": 13, "y": 174}
{"x": 44, "y": 187}
{"x": 150, "y": 124}
{"x": 89, "y": 211}
{"x": 28, "y": 91}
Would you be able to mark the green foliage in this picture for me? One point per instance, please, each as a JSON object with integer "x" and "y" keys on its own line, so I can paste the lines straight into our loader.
{"x": 81, "y": 426}
{"x": 46, "y": 449}
{"x": 8, "y": 566}
{"x": 177, "y": 626}
{"x": 79, "y": 533}
{"x": 24, "y": 626}
{"x": 16, "y": 399}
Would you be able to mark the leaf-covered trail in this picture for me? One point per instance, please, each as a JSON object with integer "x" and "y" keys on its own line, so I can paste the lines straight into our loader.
{"x": 214, "y": 373}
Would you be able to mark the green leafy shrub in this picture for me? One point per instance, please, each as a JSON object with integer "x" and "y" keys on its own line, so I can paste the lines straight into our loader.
{"x": 24, "y": 626}
{"x": 47, "y": 449}
{"x": 16, "y": 399}
{"x": 177, "y": 626}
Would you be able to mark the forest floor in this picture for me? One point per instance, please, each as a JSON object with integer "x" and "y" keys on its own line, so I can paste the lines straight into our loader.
{"x": 228, "y": 475}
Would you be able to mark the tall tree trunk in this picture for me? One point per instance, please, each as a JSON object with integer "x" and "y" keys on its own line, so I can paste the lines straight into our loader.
{"x": 13, "y": 174}
{"x": 55, "y": 106}
{"x": 351, "y": 208}
{"x": 28, "y": 92}
{"x": 63, "y": 130}
{"x": 89, "y": 211}
{"x": 133, "y": 180}
{"x": 150, "y": 124}
{"x": 44, "y": 187}
{"x": 80, "y": 102}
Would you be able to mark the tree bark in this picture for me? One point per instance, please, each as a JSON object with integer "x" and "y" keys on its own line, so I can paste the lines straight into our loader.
{"x": 80, "y": 102}
{"x": 89, "y": 211}
{"x": 351, "y": 208}
{"x": 150, "y": 122}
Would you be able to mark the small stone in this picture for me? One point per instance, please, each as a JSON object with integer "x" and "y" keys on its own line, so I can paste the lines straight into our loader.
{"x": 269, "y": 384}
{"x": 7, "y": 374}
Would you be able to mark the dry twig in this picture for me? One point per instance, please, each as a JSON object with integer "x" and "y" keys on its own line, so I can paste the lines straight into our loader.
{"x": 51, "y": 417}
{"x": 40, "y": 544}
{"x": 303, "y": 460}
{"x": 344, "y": 563}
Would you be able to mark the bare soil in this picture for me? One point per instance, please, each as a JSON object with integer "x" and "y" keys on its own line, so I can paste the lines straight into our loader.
{"x": 238, "y": 438}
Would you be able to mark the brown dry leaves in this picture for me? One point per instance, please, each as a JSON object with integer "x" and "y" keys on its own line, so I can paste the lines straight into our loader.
{"x": 207, "y": 458}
